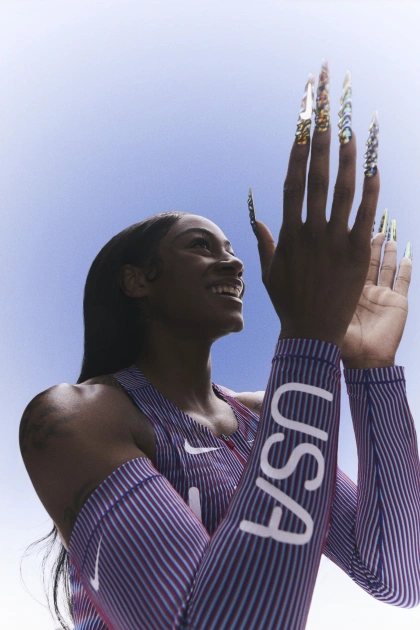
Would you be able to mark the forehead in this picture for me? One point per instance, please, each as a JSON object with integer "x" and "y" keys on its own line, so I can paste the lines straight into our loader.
{"x": 189, "y": 222}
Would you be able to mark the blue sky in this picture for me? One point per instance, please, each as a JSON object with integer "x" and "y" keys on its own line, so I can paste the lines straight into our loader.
{"x": 113, "y": 110}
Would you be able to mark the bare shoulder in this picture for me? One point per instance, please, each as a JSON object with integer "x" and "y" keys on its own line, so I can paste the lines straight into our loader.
{"x": 252, "y": 400}
{"x": 72, "y": 437}
{"x": 60, "y": 412}
{"x": 48, "y": 415}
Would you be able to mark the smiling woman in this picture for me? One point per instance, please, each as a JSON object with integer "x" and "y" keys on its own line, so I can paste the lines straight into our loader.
{"x": 176, "y": 506}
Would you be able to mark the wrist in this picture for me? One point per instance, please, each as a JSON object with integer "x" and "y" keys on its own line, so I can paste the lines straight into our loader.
{"x": 311, "y": 334}
{"x": 367, "y": 364}
{"x": 309, "y": 349}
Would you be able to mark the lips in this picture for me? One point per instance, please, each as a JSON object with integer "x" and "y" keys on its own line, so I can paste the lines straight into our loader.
{"x": 226, "y": 296}
{"x": 227, "y": 286}
{"x": 225, "y": 290}
{"x": 229, "y": 297}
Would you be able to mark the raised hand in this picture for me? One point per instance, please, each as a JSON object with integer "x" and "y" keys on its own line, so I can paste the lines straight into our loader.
{"x": 375, "y": 331}
{"x": 316, "y": 273}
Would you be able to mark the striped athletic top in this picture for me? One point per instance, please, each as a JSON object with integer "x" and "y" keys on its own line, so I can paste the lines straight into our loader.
{"x": 205, "y": 480}
{"x": 177, "y": 576}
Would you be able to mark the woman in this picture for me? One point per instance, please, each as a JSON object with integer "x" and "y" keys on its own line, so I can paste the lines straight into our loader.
{"x": 178, "y": 509}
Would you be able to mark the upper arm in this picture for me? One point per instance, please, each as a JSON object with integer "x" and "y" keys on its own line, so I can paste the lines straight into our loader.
{"x": 71, "y": 439}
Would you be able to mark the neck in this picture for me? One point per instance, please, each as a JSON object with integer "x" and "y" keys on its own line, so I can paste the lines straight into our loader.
{"x": 179, "y": 367}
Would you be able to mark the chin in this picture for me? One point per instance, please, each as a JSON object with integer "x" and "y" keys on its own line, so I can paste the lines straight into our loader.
{"x": 239, "y": 327}
{"x": 234, "y": 327}
{"x": 215, "y": 326}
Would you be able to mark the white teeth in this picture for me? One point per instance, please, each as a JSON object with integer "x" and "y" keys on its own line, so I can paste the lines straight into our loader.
{"x": 224, "y": 288}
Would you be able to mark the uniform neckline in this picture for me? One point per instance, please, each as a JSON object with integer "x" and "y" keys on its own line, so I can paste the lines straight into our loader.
{"x": 217, "y": 391}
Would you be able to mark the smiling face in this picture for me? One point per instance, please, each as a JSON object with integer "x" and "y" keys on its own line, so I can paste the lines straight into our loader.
{"x": 198, "y": 290}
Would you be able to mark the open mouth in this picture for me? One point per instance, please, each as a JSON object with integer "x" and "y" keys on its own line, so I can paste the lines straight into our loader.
{"x": 230, "y": 297}
{"x": 225, "y": 291}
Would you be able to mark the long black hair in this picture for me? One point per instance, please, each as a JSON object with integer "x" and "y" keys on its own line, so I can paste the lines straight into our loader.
{"x": 115, "y": 326}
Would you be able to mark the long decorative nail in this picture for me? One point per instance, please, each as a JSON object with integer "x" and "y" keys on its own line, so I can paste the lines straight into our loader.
{"x": 344, "y": 124}
{"x": 408, "y": 251}
{"x": 392, "y": 231}
{"x": 371, "y": 155}
{"x": 252, "y": 212}
{"x": 322, "y": 107}
{"x": 383, "y": 226}
{"x": 303, "y": 130}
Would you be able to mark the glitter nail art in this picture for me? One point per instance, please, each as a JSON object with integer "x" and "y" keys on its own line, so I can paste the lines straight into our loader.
{"x": 383, "y": 226}
{"x": 344, "y": 124}
{"x": 322, "y": 108}
{"x": 371, "y": 155}
{"x": 303, "y": 130}
{"x": 408, "y": 251}
{"x": 392, "y": 231}
{"x": 252, "y": 212}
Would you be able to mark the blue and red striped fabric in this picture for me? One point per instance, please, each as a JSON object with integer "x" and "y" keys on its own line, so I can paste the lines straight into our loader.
{"x": 159, "y": 567}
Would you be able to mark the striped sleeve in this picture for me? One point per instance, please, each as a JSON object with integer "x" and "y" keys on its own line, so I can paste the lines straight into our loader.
{"x": 85, "y": 616}
{"x": 146, "y": 561}
{"x": 375, "y": 527}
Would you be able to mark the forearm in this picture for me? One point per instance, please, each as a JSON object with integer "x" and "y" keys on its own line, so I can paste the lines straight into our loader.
{"x": 158, "y": 566}
{"x": 278, "y": 548}
{"x": 375, "y": 530}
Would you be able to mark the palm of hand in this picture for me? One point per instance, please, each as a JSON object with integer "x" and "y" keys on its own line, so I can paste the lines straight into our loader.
{"x": 376, "y": 328}
{"x": 375, "y": 331}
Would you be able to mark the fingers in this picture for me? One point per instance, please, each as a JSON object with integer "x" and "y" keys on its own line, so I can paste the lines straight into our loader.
{"x": 362, "y": 227}
{"x": 346, "y": 177}
{"x": 389, "y": 265}
{"x": 294, "y": 185}
{"x": 384, "y": 274}
{"x": 375, "y": 258}
{"x": 318, "y": 177}
{"x": 266, "y": 246}
{"x": 402, "y": 283}
{"x": 345, "y": 185}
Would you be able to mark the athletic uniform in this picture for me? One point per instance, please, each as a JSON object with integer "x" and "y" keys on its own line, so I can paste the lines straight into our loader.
{"x": 199, "y": 541}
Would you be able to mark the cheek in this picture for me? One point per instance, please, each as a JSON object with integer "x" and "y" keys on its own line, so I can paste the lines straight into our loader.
{"x": 173, "y": 297}
{"x": 181, "y": 282}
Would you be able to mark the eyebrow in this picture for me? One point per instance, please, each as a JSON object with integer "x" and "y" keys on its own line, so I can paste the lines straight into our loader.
{"x": 202, "y": 231}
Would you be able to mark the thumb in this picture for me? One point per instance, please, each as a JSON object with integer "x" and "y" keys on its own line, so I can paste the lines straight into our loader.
{"x": 266, "y": 246}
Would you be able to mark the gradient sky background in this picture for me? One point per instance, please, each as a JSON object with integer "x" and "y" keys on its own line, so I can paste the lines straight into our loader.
{"x": 113, "y": 110}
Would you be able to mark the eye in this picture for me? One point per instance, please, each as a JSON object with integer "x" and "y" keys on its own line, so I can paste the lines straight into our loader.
{"x": 201, "y": 241}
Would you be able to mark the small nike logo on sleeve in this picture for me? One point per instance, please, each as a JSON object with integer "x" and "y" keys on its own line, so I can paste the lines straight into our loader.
{"x": 193, "y": 450}
{"x": 95, "y": 580}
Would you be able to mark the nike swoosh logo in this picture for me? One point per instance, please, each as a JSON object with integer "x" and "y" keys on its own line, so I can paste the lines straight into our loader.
{"x": 193, "y": 450}
{"x": 95, "y": 580}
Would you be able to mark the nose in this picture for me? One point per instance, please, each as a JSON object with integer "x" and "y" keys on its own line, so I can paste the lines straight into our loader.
{"x": 231, "y": 263}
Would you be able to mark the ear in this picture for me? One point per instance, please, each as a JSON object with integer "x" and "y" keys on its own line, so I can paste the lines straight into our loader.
{"x": 133, "y": 281}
